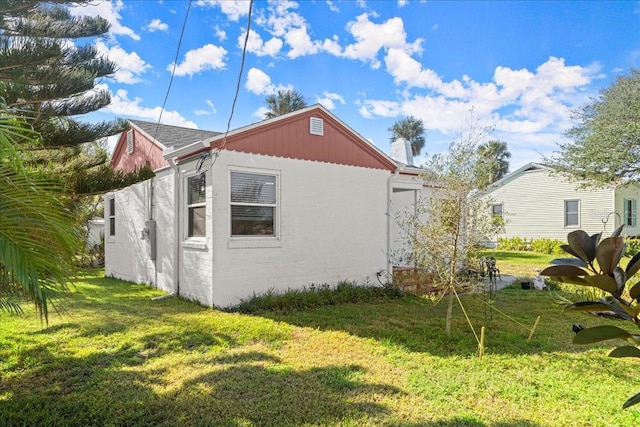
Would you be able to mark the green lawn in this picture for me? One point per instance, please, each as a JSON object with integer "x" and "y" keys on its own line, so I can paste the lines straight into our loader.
{"x": 118, "y": 358}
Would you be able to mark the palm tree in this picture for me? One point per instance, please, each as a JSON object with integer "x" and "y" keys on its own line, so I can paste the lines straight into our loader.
{"x": 283, "y": 102}
{"x": 493, "y": 162}
{"x": 410, "y": 129}
{"x": 38, "y": 234}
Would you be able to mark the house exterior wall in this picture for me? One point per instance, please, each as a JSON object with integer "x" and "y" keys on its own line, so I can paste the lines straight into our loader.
{"x": 533, "y": 206}
{"x": 127, "y": 255}
{"x": 144, "y": 152}
{"x": 630, "y": 191}
{"x": 332, "y": 227}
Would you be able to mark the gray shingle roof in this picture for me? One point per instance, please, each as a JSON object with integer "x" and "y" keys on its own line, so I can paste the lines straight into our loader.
{"x": 173, "y": 135}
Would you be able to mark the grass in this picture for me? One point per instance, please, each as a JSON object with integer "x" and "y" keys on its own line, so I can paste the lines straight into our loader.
{"x": 119, "y": 358}
{"x": 521, "y": 264}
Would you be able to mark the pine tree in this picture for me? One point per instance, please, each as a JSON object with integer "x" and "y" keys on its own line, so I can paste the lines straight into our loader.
{"x": 49, "y": 82}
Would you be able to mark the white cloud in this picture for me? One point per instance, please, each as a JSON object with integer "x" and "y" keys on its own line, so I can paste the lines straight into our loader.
{"x": 123, "y": 106}
{"x": 371, "y": 38}
{"x": 109, "y": 10}
{"x": 257, "y": 46}
{"x": 212, "y": 109}
{"x": 220, "y": 33}
{"x": 260, "y": 112}
{"x": 328, "y": 100}
{"x": 300, "y": 42}
{"x": 130, "y": 65}
{"x": 234, "y": 9}
{"x": 207, "y": 57}
{"x": 402, "y": 3}
{"x": 157, "y": 25}
{"x": 332, "y": 6}
{"x": 259, "y": 83}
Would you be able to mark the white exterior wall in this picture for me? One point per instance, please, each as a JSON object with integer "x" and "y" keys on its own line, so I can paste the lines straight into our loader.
{"x": 629, "y": 191}
{"x": 126, "y": 253}
{"x": 332, "y": 226}
{"x": 533, "y": 206}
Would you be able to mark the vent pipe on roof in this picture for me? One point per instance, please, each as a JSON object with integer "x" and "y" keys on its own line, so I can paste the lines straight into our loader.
{"x": 401, "y": 151}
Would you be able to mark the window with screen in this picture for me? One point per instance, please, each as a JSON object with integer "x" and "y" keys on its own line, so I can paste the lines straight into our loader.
{"x": 253, "y": 202}
{"x": 571, "y": 213}
{"x": 196, "y": 206}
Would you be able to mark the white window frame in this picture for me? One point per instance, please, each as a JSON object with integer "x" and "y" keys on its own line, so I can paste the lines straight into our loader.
{"x": 630, "y": 212}
{"x": 493, "y": 212}
{"x": 111, "y": 216}
{"x": 270, "y": 240}
{"x": 189, "y": 207}
{"x": 567, "y": 213}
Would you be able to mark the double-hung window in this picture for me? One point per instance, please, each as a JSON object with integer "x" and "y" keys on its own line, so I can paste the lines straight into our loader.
{"x": 496, "y": 210}
{"x": 111, "y": 215}
{"x": 571, "y": 213}
{"x": 196, "y": 206}
{"x": 630, "y": 212}
{"x": 253, "y": 201}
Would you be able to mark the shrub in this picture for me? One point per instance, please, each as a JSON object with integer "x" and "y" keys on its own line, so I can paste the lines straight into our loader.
{"x": 546, "y": 246}
{"x": 315, "y": 296}
{"x": 512, "y": 244}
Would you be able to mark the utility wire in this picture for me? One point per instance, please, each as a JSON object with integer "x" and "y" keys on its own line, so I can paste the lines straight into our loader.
{"x": 235, "y": 97}
{"x": 173, "y": 72}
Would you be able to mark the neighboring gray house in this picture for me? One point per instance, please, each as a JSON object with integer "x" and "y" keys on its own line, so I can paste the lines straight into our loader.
{"x": 534, "y": 202}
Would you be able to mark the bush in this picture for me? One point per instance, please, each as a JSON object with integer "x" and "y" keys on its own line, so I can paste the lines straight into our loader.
{"x": 546, "y": 246}
{"x": 542, "y": 245}
{"x": 315, "y": 296}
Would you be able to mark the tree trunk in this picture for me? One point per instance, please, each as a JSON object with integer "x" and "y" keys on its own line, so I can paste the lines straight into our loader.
{"x": 447, "y": 327}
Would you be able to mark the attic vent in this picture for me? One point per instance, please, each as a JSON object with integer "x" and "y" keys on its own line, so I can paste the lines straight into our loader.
{"x": 129, "y": 142}
{"x": 316, "y": 126}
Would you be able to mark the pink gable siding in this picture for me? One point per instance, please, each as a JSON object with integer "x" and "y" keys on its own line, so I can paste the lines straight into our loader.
{"x": 144, "y": 153}
{"x": 290, "y": 138}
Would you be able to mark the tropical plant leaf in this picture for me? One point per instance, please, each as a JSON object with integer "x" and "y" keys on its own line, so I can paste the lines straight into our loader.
{"x": 617, "y": 231}
{"x": 609, "y": 252}
{"x": 596, "y": 238}
{"x": 577, "y": 262}
{"x": 606, "y": 283}
{"x": 589, "y": 306}
{"x": 634, "y": 292}
{"x": 634, "y": 265}
{"x": 582, "y": 245}
{"x": 570, "y": 251}
{"x": 620, "y": 278}
{"x": 631, "y": 401}
{"x": 563, "y": 270}
{"x": 600, "y": 333}
{"x": 625, "y": 351}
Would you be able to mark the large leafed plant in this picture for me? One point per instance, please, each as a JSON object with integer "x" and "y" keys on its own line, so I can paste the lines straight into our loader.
{"x": 595, "y": 263}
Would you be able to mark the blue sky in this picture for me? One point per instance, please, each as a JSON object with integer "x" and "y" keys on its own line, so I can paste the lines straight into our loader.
{"x": 522, "y": 67}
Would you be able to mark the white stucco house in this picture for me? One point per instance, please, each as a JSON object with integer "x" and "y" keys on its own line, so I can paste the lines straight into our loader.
{"x": 287, "y": 202}
{"x": 534, "y": 202}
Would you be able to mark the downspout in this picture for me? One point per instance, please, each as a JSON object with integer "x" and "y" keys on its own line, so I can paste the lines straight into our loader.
{"x": 389, "y": 238}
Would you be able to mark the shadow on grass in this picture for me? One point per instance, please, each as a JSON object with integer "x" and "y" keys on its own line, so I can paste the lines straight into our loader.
{"x": 114, "y": 388}
{"x": 418, "y": 324}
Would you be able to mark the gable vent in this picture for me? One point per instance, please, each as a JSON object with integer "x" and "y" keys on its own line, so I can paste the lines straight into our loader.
{"x": 129, "y": 142}
{"x": 316, "y": 126}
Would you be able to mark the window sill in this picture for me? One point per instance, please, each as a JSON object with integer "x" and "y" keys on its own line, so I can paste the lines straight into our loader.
{"x": 254, "y": 242}
{"x": 195, "y": 244}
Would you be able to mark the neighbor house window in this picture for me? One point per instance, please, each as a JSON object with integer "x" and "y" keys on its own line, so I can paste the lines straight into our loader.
{"x": 196, "y": 206}
{"x": 253, "y": 204}
{"x": 496, "y": 210}
{"x": 571, "y": 213}
{"x": 630, "y": 212}
{"x": 111, "y": 215}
